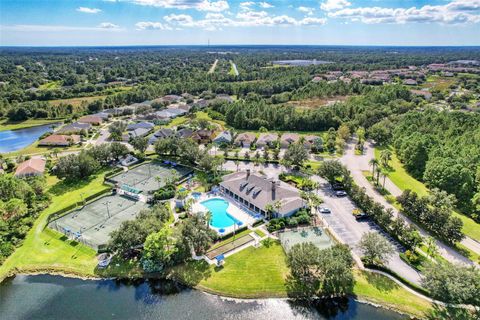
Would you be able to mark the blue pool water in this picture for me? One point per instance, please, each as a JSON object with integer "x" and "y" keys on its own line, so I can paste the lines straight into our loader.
{"x": 220, "y": 217}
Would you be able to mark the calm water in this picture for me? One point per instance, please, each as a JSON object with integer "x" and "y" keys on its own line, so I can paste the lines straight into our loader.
{"x": 13, "y": 140}
{"x": 53, "y": 297}
{"x": 218, "y": 209}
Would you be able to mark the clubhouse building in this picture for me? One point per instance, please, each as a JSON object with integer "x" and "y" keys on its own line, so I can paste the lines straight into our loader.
{"x": 255, "y": 192}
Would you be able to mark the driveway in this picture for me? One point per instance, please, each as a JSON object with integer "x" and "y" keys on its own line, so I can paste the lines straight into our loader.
{"x": 358, "y": 163}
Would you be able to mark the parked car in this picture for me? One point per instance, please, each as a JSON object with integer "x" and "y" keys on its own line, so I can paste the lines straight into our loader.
{"x": 324, "y": 210}
{"x": 340, "y": 193}
{"x": 337, "y": 186}
{"x": 361, "y": 216}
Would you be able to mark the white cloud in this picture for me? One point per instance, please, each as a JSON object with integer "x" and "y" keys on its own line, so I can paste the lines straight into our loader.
{"x": 455, "y": 12}
{"x": 246, "y": 5}
{"x": 214, "y": 6}
{"x": 53, "y": 28}
{"x": 148, "y": 25}
{"x": 307, "y": 10}
{"x": 108, "y": 25}
{"x": 88, "y": 10}
{"x": 201, "y": 5}
{"x": 216, "y": 21}
{"x": 330, "y": 5}
{"x": 265, "y": 5}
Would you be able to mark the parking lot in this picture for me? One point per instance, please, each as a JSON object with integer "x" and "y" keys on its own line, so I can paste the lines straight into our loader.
{"x": 343, "y": 222}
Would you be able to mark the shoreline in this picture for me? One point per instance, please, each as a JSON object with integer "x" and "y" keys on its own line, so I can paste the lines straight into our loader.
{"x": 205, "y": 290}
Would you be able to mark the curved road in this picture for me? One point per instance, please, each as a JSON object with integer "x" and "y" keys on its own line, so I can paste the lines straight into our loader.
{"x": 358, "y": 163}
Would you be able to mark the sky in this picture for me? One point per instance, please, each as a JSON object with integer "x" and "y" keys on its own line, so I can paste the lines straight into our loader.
{"x": 223, "y": 22}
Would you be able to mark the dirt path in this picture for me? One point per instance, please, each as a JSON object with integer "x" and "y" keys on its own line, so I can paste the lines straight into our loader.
{"x": 213, "y": 67}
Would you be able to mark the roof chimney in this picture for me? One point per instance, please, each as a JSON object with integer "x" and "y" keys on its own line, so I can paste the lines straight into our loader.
{"x": 274, "y": 188}
{"x": 248, "y": 174}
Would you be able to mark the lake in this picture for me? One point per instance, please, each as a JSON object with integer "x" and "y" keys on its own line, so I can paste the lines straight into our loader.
{"x": 54, "y": 297}
{"x": 13, "y": 140}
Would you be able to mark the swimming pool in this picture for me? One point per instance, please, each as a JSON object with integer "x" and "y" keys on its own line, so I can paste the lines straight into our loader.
{"x": 220, "y": 217}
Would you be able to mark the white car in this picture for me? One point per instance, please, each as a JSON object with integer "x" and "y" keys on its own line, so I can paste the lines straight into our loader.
{"x": 324, "y": 210}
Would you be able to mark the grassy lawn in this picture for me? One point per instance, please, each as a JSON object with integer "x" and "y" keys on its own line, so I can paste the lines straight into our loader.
{"x": 400, "y": 176}
{"x": 260, "y": 233}
{"x": 204, "y": 115}
{"x": 44, "y": 249}
{"x": 35, "y": 149}
{"x": 403, "y": 180}
{"x": 7, "y": 125}
{"x": 50, "y": 85}
{"x": 252, "y": 272}
{"x": 380, "y": 289}
{"x": 269, "y": 268}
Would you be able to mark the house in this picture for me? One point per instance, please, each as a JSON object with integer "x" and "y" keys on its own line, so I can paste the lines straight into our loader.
{"x": 288, "y": 138}
{"x": 30, "y": 168}
{"x": 185, "y": 107}
{"x": 267, "y": 139}
{"x": 185, "y": 133}
{"x": 161, "y": 134}
{"x": 310, "y": 141}
{"x": 128, "y": 160}
{"x": 75, "y": 127}
{"x": 103, "y": 115}
{"x": 223, "y": 137}
{"x": 427, "y": 95}
{"x": 203, "y": 136}
{"x": 224, "y": 98}
{"x": 410, "y": 82}
{"x": 139, "y": 132}
{"x": 143, "y": 125}
{"x": 245, "y": 139}
{"x": 59, "y": 140}
{"x": 256, "y": 192}
{"x": 201, "y": 103}
{"x": 94, "y": 120}
{"x": 172, "y": 98}
{"x": 114, "y": 112}
{"x": 176, "y": 112}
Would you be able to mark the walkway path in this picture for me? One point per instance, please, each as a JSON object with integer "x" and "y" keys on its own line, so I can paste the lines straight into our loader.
{"x": 358, "y": 163}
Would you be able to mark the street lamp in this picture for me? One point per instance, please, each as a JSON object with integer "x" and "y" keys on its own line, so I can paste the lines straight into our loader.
{"x": 106, "y": 203}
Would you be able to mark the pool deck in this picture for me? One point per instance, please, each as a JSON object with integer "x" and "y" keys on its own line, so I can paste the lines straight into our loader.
{"x": 232, "y": 210}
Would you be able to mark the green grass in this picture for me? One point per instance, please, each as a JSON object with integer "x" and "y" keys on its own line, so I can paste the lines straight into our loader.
{"x": 44, "y": 249}
{"x": 34, "y": 148}
{"x": 250, "y": 273}
{"x": 7, "y": 125}
{"x": 268, "y": 265}
{"x": 51, "y": 85}
{"x": 380, "y": 289}
{"x": 400, "y": 177}
{"x": 260, "y": 233}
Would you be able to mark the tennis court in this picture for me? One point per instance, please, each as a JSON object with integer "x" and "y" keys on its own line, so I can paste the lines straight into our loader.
{"x": 316, "y": 235}
{"x": 150, "y": 176}
{"x": 93, "y": 223}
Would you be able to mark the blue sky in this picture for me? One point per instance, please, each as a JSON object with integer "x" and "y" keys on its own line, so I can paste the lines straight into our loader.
{"x": 170, "y": 22}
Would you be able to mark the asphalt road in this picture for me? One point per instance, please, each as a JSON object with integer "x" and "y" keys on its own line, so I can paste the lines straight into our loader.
{"x": 358, "y": 163}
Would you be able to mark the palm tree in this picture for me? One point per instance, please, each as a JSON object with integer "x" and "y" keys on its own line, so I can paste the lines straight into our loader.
{"x": 385, "y": 157}
{"x": 374, "y": 163}
{"x": 269, "y": 210}
{"x": 277, "y": 205}
{"x": 432, "y": 249}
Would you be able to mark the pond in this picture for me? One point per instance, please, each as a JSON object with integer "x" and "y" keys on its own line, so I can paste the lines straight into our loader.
{"x": 13, "y": 140}
{"x": 54, "y": 297}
